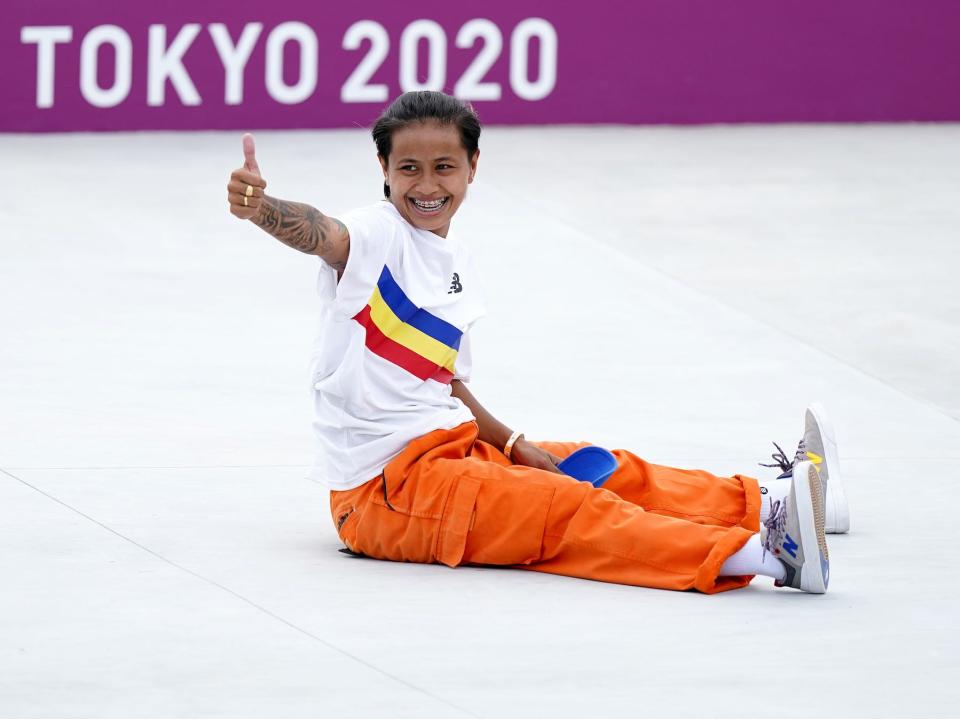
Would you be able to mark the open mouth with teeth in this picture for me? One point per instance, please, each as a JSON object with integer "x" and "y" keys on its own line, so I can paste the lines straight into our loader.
{"x": 428, "y": 207}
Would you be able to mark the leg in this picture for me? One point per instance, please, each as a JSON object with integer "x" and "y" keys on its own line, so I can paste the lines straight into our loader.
{"x": 690, "y": 494}
{"x": 440, "y": 502}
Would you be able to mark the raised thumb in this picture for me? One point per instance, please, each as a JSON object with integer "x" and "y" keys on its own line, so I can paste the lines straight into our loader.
{"x": 250, "y": 154}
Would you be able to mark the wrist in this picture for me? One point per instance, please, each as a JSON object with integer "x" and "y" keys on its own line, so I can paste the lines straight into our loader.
{"x": 511, "y": 443}
{"x": 257, "y": 217}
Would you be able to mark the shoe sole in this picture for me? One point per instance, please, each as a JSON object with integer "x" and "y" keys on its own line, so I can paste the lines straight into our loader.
{"x": 835, "y": 496}
{"x": 808, "y": 499}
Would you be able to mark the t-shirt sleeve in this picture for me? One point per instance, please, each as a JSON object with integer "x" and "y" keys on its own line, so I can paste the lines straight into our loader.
{"x": 463, "y": 365}
{"x": 372, "y": 235}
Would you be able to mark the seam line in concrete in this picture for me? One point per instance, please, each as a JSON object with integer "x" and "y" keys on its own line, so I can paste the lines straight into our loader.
{"x": 244, "y": 599}
{"x": 614, "y": 250}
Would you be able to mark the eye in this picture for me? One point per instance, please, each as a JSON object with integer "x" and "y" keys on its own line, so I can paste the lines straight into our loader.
{"x": 408, "y": 168}
{"x": 444, "y": 166}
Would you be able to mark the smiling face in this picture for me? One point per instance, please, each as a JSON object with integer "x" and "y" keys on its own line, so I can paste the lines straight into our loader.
{"x": 428, "y": 172}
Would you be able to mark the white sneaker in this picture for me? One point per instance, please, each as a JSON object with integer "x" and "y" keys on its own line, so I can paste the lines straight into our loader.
{"x": 819, "y": 446}
{"x": 794, "y": 532}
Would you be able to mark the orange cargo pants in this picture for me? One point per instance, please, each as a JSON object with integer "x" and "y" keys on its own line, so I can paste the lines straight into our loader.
{"x": 451, "y": 498}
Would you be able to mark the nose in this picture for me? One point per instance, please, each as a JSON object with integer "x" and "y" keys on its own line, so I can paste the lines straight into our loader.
{"x": 428, "y": 183}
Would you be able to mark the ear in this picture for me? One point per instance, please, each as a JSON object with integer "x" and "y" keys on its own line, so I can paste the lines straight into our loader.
{"x": 383, "y": 165}
{"x": 473, "y": 165}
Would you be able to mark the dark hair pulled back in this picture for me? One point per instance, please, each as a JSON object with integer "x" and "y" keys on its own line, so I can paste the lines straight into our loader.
{"x": 421, "y": 106}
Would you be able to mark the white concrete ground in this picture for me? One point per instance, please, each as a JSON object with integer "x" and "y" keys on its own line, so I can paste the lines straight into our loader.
{"x": 680, "y": 292}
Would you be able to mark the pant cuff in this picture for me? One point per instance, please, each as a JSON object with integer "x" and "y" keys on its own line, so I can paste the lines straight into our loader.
{"x": 708, "y": 580}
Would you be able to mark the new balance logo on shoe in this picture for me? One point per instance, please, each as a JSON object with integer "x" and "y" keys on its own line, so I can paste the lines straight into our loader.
{"x": 455, "y": 285}
{"x": 790, "y": 546}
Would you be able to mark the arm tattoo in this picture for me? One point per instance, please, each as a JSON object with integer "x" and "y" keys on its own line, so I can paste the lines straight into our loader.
{"x": 296, "y": 225}
{"x": 339, "y": 266}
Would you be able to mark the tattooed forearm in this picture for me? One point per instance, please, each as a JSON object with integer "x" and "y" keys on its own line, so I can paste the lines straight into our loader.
{"x": 344, "y": 232}
{"x": 296, "y": 225}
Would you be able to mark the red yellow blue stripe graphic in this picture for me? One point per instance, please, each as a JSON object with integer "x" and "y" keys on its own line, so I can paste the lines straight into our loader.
{"x": 406, "y": 335}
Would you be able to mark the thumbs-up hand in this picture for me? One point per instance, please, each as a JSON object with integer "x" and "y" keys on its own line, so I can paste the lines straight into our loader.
{"x": 245, "y": 189}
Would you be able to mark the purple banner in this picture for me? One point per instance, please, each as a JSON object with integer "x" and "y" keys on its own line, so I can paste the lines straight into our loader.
{"x": 80, "y": 65}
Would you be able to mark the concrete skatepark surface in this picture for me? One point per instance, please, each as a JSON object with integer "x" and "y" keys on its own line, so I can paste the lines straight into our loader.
{"x": 682, "y": 293}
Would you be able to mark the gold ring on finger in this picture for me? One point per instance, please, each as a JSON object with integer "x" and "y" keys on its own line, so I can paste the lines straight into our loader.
{"x": 249, "y": 192}
{"x": 245, "y": 203}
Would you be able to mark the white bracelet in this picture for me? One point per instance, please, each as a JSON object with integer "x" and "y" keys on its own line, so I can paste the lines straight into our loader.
{"x": 510, "y": 442}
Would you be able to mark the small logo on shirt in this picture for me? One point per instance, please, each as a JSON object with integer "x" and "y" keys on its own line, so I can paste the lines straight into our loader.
{"x": 455, "y": 285}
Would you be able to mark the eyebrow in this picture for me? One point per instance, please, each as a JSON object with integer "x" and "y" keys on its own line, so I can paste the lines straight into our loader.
{"x": 414, "y": 159}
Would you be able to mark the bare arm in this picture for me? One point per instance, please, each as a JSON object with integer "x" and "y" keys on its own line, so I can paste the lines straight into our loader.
{"x": 305, "y": 228}
{"x": 492, "y": 430}
{"x": 295, "y": 224}
{"x": 495, "y": 432}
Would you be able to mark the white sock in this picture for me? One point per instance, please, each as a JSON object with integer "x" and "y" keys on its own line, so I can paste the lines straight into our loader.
{"x": 751, "y": 559}
{"x": 772, "y": 490}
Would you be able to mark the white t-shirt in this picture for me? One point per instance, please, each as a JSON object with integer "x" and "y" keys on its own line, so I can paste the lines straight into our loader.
{"x": 393, "y": 334}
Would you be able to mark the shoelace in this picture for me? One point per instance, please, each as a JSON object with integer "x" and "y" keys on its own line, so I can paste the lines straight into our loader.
{"x": 780, "y": 457}
{"x": 776, "y": 524}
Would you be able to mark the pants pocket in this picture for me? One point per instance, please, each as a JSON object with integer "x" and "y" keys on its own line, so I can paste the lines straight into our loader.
{"x": 346, "y": 524}
{"x": 343, "y": 517}
{"x": 456, "y": 520}
{"x": 347, "y": 509}
{"x": 498, "y": 521}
